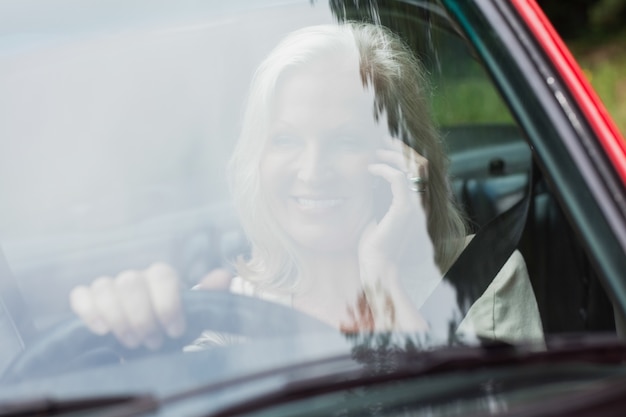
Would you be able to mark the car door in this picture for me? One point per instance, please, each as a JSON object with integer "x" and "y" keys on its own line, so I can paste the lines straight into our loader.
{"x": 533, "y": 71}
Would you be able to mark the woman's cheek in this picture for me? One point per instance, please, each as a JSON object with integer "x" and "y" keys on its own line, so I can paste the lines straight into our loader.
{"x": 358, "y": 172}
{"x": 274, "y": 167}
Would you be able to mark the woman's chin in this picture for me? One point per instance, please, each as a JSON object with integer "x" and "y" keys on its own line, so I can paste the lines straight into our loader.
{"x": 327, "y": 243}
{"x": 329, "y": 233}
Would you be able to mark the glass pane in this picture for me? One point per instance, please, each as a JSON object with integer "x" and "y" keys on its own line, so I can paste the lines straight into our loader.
{"x": 234, "y": 177}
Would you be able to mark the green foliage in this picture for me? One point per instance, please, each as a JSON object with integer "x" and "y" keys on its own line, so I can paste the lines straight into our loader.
{"x": 469, "y": 101}
{"x": 604, "y": 63}
{"x": 608, "y": 15}
{"x": 580, "y": 19}
{"x": 570, "y": 18}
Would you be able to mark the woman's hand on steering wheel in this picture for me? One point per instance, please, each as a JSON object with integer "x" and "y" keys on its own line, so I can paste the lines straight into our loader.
{"x": 139, "y": 307}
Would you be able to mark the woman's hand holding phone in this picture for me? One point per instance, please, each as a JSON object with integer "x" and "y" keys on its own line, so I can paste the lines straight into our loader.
{"x": 398, "y": 243}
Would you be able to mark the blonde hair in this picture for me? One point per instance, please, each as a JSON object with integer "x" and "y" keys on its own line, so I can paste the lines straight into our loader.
{"x": 401, "y": 95}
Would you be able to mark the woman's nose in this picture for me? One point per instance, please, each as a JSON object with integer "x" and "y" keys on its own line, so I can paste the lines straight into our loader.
{"x": 314, "y": 164}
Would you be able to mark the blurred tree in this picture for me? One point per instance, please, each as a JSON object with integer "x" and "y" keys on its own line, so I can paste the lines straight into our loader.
{"x": 582, "y": 18}
{"x": 608, "y": 15}
{"x": 571, "y": 19}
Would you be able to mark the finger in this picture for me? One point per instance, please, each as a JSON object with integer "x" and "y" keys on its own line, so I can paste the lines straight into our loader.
{"x": 217, "y": 279}
{"x": 397, "y": 145}
{"x": 396, "y": 179}
{"x": 415, "y": 165}
{"x": 137, "y": 306}
{"x": 163, "y": 286}
{"x": 83, "y": 305}
{"x": 106, "y": 301}
{"x": 409, "y": 153}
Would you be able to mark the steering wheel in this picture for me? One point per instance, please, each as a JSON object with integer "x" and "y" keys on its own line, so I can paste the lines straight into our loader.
{"x": 220, "y": 311}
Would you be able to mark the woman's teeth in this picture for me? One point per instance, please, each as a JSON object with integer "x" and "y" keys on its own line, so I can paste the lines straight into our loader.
{"x": 319, "y": 204}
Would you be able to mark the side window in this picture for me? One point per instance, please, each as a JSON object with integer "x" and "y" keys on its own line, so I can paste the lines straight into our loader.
{"x": 490, "y": 163}
{"x": 489, "y": 158}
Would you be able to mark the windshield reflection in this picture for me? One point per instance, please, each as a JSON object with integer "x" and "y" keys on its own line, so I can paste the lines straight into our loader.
{"x": 339, "y": 180}
{"x": 335, "y": 201}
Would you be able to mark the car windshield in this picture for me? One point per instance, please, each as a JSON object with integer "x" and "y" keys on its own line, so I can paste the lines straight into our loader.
{"x": 208, "y": 190}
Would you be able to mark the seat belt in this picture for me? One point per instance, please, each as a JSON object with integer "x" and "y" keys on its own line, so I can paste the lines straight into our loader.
{"x": 476, "y": 267}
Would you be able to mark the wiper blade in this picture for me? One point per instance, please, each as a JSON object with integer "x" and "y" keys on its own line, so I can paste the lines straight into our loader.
{"x": 54, "y": 406}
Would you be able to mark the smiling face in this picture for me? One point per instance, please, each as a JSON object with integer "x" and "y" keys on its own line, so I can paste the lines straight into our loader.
{"x": 314, "y": 166}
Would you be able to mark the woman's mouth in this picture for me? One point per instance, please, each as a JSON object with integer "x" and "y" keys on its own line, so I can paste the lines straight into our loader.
{"x": 318, "y": 203}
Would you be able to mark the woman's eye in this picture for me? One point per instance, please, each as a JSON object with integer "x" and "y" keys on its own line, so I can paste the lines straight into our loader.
{"x": 285, "y": 141}
{"x": 348, "y": 143}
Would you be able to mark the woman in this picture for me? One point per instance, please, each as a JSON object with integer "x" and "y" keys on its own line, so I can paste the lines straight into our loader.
{"x": 339, "y": 179}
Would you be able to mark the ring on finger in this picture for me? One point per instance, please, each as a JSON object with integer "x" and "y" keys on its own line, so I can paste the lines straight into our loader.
{"x": 418, "y": 184}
